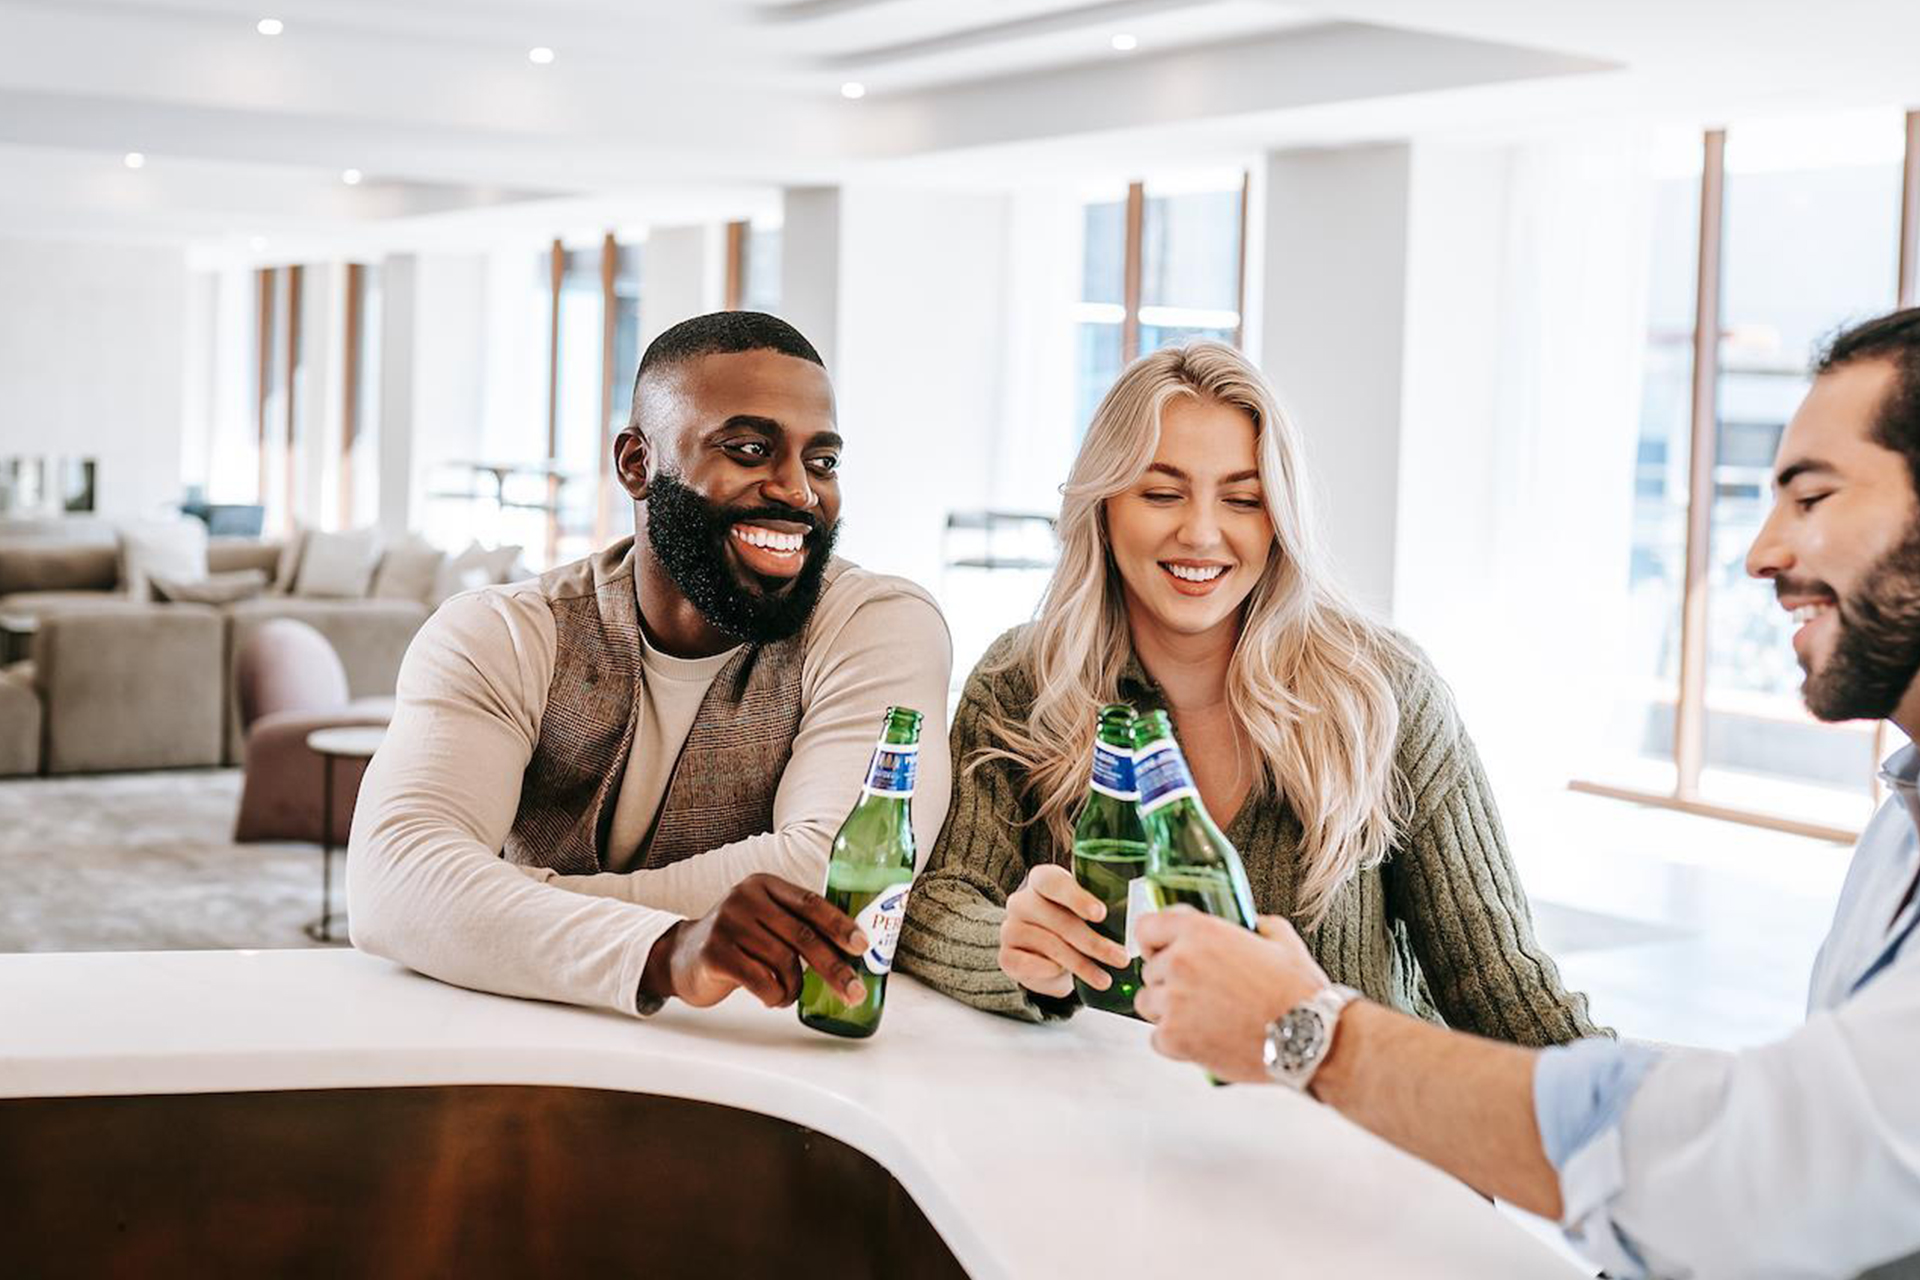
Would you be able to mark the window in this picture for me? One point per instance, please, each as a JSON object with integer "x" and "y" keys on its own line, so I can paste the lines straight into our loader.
{"x": 1803, "y": 239}
{"x": 760, "y": 273}
{"x": 578, "y": 401}
{"x": 1161, "y": 263}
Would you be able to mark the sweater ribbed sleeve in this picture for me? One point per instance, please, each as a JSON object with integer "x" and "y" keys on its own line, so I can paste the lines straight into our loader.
{"x": 951, "y": 936}
{"x": 1452, "y": 884}
{"x": 1440, "y": 929}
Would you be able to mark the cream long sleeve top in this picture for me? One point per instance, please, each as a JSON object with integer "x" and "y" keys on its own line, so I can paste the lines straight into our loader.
{"x": 426, "y": 885}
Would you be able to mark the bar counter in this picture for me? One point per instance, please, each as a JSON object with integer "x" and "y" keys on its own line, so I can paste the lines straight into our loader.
{"x": 328, "y": 1113}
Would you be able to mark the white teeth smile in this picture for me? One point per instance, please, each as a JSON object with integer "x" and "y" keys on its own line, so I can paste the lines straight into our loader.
{"x": 785, "y": 544}
{"x": 1191, "y": 573}
{"x": 1808, "y": 612}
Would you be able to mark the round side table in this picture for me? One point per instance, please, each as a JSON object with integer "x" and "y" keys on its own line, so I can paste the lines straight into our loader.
{"x": 351, "y": 742}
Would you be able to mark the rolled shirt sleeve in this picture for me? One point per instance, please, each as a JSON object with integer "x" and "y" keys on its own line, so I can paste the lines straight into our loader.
{"x": 1580, "y": 1092}
{"x": 1797, "y": 1159}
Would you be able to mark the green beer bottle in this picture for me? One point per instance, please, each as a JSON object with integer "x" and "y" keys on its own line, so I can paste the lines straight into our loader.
{"x": 1188, "y": 859}
{"x": 1110, "y": 850}
{"x": 868, "y": 875}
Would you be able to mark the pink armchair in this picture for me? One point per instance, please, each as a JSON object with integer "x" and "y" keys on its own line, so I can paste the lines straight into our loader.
{"x": 290, "y": 682}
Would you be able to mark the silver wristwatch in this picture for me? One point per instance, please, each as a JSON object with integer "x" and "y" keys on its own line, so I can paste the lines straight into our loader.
{"x": 1298, "y": 1042}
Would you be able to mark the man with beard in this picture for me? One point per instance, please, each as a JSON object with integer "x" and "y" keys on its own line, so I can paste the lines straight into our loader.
{"x": 618, "y": 783}
{"x": 1800, "y": 1158}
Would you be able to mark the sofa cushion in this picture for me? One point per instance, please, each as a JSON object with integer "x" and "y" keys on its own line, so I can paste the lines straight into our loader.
{"x": 230, "y": 555}
{"x": 473, "y": 568}
{"x": 132, "y": 687}
{"x": 408, "y": 571}
{"x": 176, "y": 549}
{"x": 288, "y": 566}
{"x": 40, "y": 603}
{"x": 20, "y": 720}
{"x": 338, "y": 566}
{"x": 45, "y": 564}
{"x": 215, "y": 588}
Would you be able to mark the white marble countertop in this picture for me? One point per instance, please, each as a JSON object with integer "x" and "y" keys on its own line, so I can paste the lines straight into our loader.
{"x": 1058, "y": 1151}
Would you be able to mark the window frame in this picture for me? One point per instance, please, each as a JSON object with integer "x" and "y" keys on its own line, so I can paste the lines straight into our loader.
{"x": 1690, "y": 709}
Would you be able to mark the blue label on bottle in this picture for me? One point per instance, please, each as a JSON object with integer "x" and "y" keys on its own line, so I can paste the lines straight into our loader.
{"x": 1113, "y": 772}
{"x": 892, "y": 771}
{"x": 1162, "y": 776}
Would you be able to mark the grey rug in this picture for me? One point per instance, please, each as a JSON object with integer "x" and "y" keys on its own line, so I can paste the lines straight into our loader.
{"x": 146, "y": 862}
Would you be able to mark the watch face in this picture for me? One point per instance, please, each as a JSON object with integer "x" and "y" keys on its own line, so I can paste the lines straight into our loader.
{"x": 1301, "y": 1036}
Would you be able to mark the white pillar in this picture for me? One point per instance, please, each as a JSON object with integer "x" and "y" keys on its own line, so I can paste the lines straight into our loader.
{"x": 1333, "y": 340}
{"x": 684, "y": 269}
{"x": 810, "y": 268}
{"x": 398, "y": 282}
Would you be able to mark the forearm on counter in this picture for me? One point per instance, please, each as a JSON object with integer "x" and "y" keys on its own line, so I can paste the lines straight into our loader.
{"x": 1459, "y": 1102}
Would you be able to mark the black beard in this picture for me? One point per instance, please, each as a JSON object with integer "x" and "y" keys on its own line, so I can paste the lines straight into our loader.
{"x": 690, "y": 536}
{"x": 1878, "y": 653}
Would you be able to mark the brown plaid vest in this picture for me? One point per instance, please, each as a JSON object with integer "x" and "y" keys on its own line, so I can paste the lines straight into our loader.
{"x": 723, "y": 783}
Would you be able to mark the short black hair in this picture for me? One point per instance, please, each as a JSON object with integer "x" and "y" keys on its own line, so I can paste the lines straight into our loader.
{"x": 724, "y": 333}
{"x": 1894, "y": 337}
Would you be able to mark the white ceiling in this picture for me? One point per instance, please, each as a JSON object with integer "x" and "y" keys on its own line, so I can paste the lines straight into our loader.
{"x": 649, "y": 103}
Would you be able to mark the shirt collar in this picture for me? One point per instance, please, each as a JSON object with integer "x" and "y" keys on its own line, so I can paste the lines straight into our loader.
{"x": 1901, "y": 773}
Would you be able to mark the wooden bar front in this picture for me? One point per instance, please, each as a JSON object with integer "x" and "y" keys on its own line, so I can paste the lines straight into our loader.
{"x": 469, "y": 1180}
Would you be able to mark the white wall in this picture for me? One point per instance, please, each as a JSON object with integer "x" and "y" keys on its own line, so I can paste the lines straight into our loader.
{"x": 434, "y": 361}
{"x": 1335, "y": 245}
{"x": 921, "y": 318}
{"x": 1036, "y": 436}
{"x": 683, "y": 274}
{"x": 398, "y": 341}
{"x": 1457, "y": 331}
{"x": 1526, "y": 315}
{"x": 93, "y": 343}
{"x": 811, "y": 241}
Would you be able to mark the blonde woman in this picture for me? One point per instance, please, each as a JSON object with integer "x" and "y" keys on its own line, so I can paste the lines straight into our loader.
{"x": 1190, "y": 580}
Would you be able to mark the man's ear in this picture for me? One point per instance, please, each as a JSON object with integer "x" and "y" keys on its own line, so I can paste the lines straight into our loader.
{"x": 632, "y": 462}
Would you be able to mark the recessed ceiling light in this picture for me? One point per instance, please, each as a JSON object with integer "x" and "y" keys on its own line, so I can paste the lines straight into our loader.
{"x": 269, "y": 26}
{"x": 134, "y": 160}
{"x": 853, "y": 89}
{"x": 351, "y": 177}
{"x": 540, "y": 56}
{"x": 257, "y": 243}
{"x": 1125, "y": 43}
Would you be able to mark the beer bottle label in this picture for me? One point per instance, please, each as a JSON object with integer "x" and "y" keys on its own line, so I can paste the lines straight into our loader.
{"x": 880, "y": 921}
{"x": 1140, "y": 900}
{"x": 892, "y": 771}
{"x": 1113, "y": 772}
{"x": 1162, "y": 776}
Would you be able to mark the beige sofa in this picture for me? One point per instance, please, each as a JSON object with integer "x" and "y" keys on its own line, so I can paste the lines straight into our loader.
{"x": 124, "y": 685}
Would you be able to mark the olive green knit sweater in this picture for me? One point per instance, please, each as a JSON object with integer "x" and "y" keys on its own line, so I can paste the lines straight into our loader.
{"x": 1440, "y": 929}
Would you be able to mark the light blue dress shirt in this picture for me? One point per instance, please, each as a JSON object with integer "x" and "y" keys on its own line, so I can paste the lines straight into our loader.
{"x": 1800, "y": 1158}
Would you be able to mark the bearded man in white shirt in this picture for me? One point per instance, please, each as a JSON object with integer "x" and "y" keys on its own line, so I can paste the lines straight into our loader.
{"x": 618, "y": 783}
{"x": 1799, "y": 1158}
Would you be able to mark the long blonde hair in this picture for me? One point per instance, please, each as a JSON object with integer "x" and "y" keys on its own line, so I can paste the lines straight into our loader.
{"x": 1310, "y": 683}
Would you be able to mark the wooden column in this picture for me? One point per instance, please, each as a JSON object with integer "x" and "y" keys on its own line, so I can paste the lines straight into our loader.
{"x": 737, "y": 233}
{"x": 603, "y": 472}
{"x": 1691, "y": 713}
{"x": 1909, "y": 286}
{"x": 1240, "y": 298}
{"x": 1130, "y": 298}
{"x": 263, "y": 378}
{"x": 557, "y": 271}
{"x": 289, "y": 471}
{"x": 350, "y": 386}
